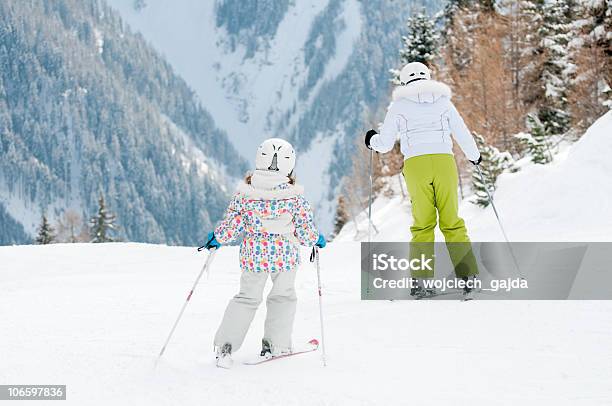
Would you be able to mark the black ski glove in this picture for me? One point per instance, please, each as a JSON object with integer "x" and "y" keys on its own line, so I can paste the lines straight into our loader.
{"x": 368, "y": 137}
{"x": 478, "y": 161}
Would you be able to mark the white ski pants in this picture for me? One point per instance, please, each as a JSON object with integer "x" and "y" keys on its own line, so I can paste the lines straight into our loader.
{"x": 241, "y": 309}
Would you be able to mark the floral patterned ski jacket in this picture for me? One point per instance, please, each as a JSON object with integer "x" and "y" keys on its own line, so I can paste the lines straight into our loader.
{"x": 273, "y": 224}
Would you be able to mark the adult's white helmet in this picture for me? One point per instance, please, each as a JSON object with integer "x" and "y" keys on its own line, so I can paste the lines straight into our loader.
{"x": 275, "y": 154}
{"x": 414, "y": 71}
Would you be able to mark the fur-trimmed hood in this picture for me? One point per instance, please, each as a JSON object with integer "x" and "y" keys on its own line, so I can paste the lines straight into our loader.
{"x": 422, "y": 91}
{"x": 284, "y": 191}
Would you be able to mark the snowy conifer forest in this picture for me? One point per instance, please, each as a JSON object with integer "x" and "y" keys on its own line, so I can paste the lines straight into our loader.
{"x": 88, "y": 108}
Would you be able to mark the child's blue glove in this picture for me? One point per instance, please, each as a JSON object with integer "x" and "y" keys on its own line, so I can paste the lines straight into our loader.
{"x": 211, "y": 242}
{"x": 321, "y": 243}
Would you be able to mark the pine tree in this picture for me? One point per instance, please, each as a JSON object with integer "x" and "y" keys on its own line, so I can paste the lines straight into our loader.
{"x": 102, "y": 224}
{"x": 535, "y": 141}
{"x": 598, "y": 30}
{"x": 493, "y": 164}
{"x": 451, "y": 8}
{"x": 342, "y": 215}
{"x": 421, "y": 44}
{"x": 524, "y": 54}
{"x": 460, "y": 22}
{"x": 46, "y": 233}
{"x": 557, "y": 70}
{"x": 591, "y": 92}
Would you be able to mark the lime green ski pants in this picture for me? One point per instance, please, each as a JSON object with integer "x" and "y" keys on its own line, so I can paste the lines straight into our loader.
{"x": 432, "y": 182}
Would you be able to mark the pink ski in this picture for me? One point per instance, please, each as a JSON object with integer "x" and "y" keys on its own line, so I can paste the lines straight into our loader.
{"x": 311, "y": 346}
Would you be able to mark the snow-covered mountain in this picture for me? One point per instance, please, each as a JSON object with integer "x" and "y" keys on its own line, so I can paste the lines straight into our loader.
{"x": 87, "y": 107}
{"x": 309, "y": 71}
{"x": 566, "y": 200}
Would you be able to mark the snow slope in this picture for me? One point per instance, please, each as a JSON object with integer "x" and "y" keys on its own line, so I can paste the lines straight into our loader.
{"x": 94, "y": 317}
{"x": 567, "y": 200}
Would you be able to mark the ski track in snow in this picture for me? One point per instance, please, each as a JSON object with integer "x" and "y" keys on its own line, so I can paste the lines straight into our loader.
{"x": 94, "y": 316}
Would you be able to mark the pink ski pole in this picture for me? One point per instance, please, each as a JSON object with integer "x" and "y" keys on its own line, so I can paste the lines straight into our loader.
{"x": 315, "y": 255}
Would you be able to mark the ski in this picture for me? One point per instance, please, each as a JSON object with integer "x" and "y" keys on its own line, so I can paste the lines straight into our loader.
{"x": 447, "y": 292}
{"x": 311, "y": 346}
{"x": 437, "y": 294}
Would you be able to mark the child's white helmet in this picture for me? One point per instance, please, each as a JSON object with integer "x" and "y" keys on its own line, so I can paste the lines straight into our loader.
{"x": 414, "y": 71}
{"x": 275, "y": 154}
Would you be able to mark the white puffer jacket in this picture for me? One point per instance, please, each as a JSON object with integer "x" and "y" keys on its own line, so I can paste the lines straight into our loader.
{"x": 424, "y": 117}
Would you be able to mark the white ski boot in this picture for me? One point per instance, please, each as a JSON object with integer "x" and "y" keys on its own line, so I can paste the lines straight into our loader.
{"x": 224, "y": 356}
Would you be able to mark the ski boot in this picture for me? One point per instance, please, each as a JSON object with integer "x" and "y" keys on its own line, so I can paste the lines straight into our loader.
{"x": 266, "y": 348}
{"x": 419, "y": 291}
{"x": 468, "y": 291}
{"x": 224, "y": 356}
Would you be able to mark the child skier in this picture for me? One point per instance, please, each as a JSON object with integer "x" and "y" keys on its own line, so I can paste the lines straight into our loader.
{"x": 271, "y": 213}
{"x": 424, "y": 116}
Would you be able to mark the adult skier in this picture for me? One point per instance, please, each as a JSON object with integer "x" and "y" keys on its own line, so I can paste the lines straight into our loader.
{"x": 273, "y": 218}
{"x": 424, "y": 116}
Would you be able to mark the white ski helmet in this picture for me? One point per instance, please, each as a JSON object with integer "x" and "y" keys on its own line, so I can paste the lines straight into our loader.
{"x": 414, "y": 71}
{"x": 275, "y": 154}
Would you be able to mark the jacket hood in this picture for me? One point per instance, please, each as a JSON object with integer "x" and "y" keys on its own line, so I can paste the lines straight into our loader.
{"x": 422, "y": 91}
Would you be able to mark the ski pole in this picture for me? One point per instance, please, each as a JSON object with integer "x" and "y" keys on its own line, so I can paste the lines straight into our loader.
{"x": 315, "y": 255}
{"x": 370, "y": 200}
{"x": 370, "y": 216}
{"x": 518, "y": 269}
{"x": 204, "y": 268}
